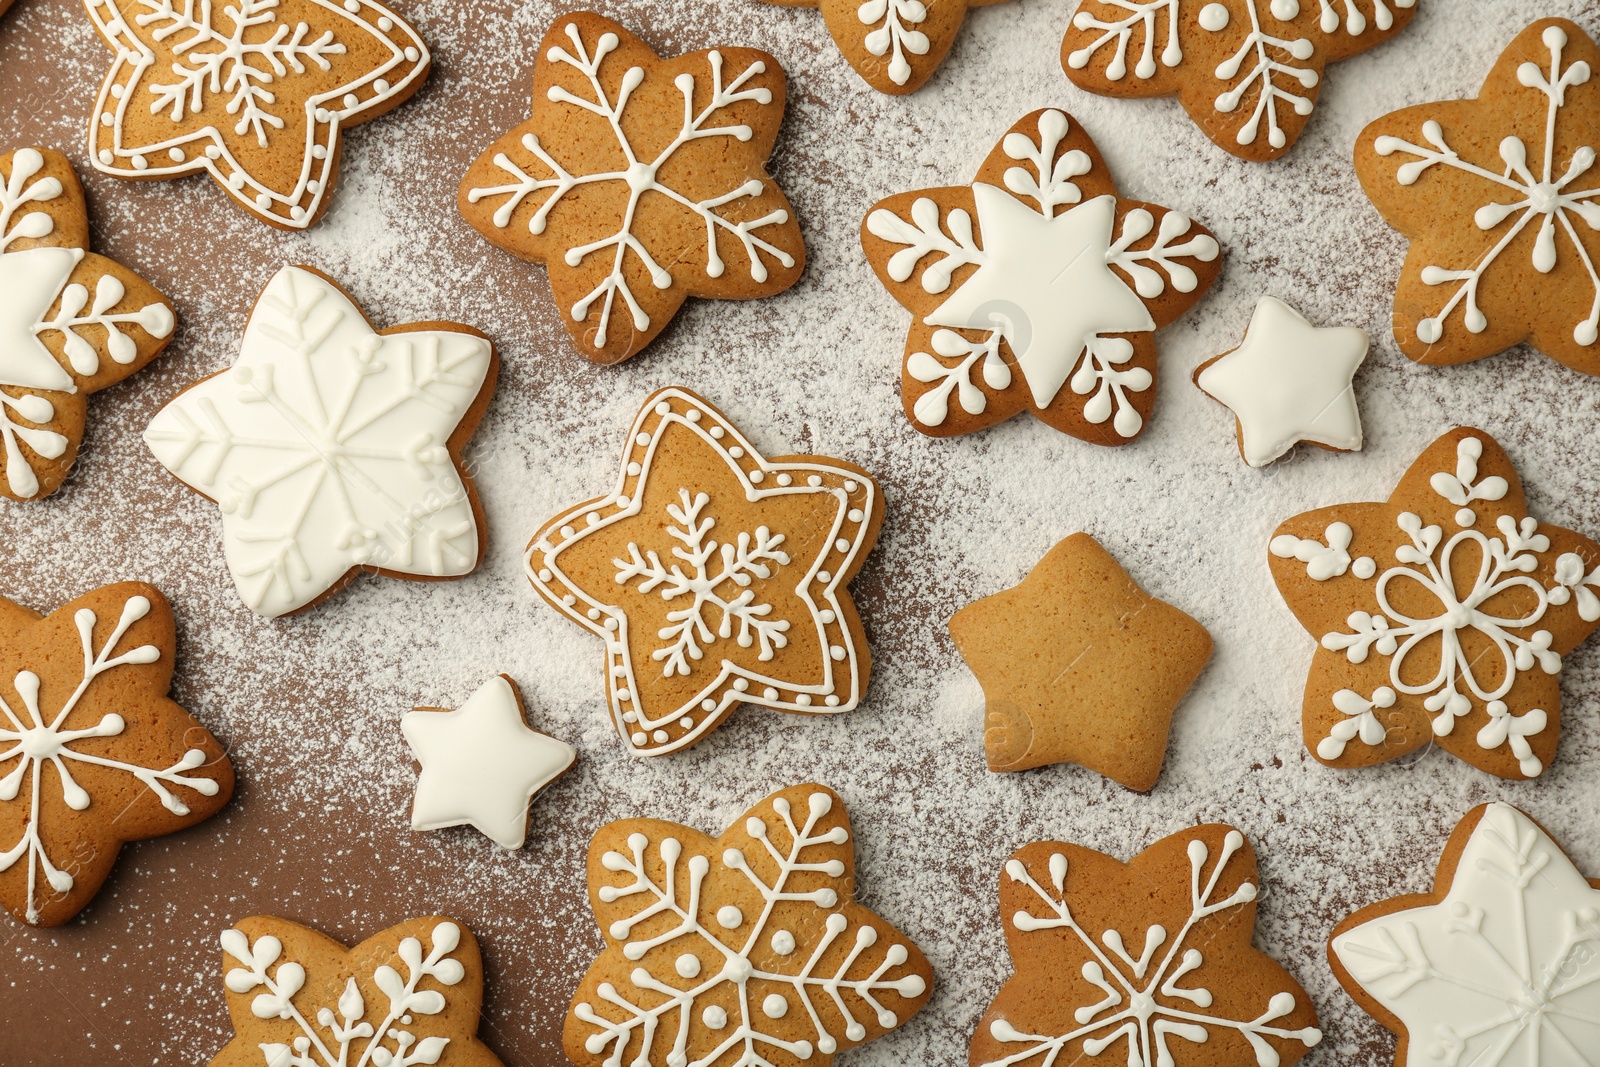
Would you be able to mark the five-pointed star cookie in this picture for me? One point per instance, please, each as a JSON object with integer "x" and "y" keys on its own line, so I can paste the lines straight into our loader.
{"x": 253, "y": 92}
{"x": 640, "y": 182}
{"x": 1289, "y": 382}
{"x": 715, "y": 576}
{"x": 333, "y": 448}
{"x": 1442, "y": 615}
{"x": 1500, "y": 198}
{"x": 482, "y": 764}
{"x": 1499, "y": 964}
{"x": 895, "y": 45}
{"x": 92, "y": 753}
{"x": 1049, "y": 301}
{"x": 71, "y": 322}
{"x": 1248, "y": 72}
{"x": 1080, "y": 665}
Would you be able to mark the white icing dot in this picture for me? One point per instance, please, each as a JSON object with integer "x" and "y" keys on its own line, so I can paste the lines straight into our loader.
{"x": 545, "y": 575}
{"x": 814, "y": 481}
{"x": 567, "y": 531}
{"x": 693, "y": 414}
{"x": 412, "y": 55}
{"x": 729, "y": 917}
{"x": 708, "y": 704}
{"x": 314, "y": 186}
{"x": 783, "y": 942}
{"x": 611, "y": 624}
{"x": 634, "y": 469}
{"x": 624, "y": 695}
{"x": 236, "y": 180}
{"x": 213, "y": 152}
{"x": 714, "y": 1017}
{"x": 385, "y": 23}
{"x": 803, "y": 699}
{"x": 323, "y": 115}
{"x": 638, "y": 738}
{"x": 263, "y": 201}
{"x": 1466, "y": 517}
{"x": 352, "y": 6}
{"x": 856, "y": 515}
{"x": 826, "y": 615}
{"x": 318, "y": 152}
{"x": 785, "y": 479}
{"x": 140, "y": 163}
{"x": 1214, "y": 17}
{"x": 770, "y": 693}
{"x": 642, "y": 440}
{"x": 736, "y": 452}
{"x": 105, "y": 156}
{"x": 380, "y": 86}
{"x": 825, "y": 576}
{"x": 663, "y": 408}
{"x": 837, "y": 652}
{"x": 849, "y": 486}
{"x": 843, "y": 544}
{"x": 718, "y": 432}
{"x": 569, "y": 600}
{"x": 351, "y": 100}
{"x": 756, "y": 476}
{"x": 686, "y": 723}
{"x": 660, "y": 737}
{"x": 630, "y": 716}
{"x": 623, "y": 501}
{"x": 117, "y": 90}
{"x": 107, "y": 118}
{"x": 593, "y": 613}
{"x": 1364, "y": 568}
{"x": 741, "y": 684}
{"x": 1285, "y": 9}
{"x": 774, "y": 1007}
{"x": 687, "y": 965}
{"x": 833, "y": 700}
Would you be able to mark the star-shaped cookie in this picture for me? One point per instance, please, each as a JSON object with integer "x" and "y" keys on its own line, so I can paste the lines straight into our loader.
{"x": 715, "y": 576}
{"x": 1048, "y": 300}
{"x": 333, "y": 448}
{"x": 92, "y": 752}
{"x": 1288, "y": 382}
{"x": 71, "y": 322}
{"x": 640, "y": 182}
{"x": 255, "y": 93}
{"x": 482, "y": 764}
{"x": 1500, "y": 199}
{"x": 1080, "y": 665}
{"x": 895, "y": 45}
{"x": 1499, "y": 964}
{"x": 1441, "y": 615}
{"x": 1248, "y": 72}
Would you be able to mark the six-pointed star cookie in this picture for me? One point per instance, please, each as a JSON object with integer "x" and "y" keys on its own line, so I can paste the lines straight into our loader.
{"x": 1080, "y": 665}
{"x": 92, "y": 753}
{"x": 71, "y": 322}
{"x": 1441, "y": 615}
{"x": 1248, "y": 72}
{"x": 1499, "y": 964}
{"x": 253, "y": 92}
{"x": 333, "y": 448}
{"x": 640, "y": 182}
{"x": 1050, "y": 302}
{"x": 895, "y": 45}
{"x": 715, "y": 576}
{"x": 1289, "y": 382}
{"x": 482, "y": 764}
{"x": 1500, "y": 199}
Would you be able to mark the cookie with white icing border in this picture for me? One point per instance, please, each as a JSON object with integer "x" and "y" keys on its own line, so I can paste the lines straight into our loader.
{"x": 71, "y": 322}
{"x": 1441, "y": 615}
{"x": 747, "y": 948}
{"x": 93, "y": 753}
{"x": 412, "y": 994}
{"x": 1006, "y": 278}
{"x": 639, "y": 182}
{"x": 334, "y": 448}
{"x": 1248, "y": 72}
{"x": 1499, "y": 963}
{"x": 256, "y": 93}
{"x": 1147, "y": 963}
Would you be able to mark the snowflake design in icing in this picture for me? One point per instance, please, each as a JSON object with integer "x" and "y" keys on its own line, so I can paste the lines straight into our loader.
{"x": 708, "y": 942}
{"x": 376, "y": 1017}
{"x": 75, "y": 751}
{"x": 1501, "y": 966}
{"x": 1066, "y": 288}
{"x": 245, "y": 89}
{"x": 1464, "y": 623}
{"x": 1122, "y": 991}
{"x": 1247, "y": 71}
{"x": 705, "y": 182}
{"x": 331, "y": 448}
{"x": 1537, "y": 202}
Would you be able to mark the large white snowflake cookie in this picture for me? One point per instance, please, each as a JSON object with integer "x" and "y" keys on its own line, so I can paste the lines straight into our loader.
{"x": 1442, "y": 615}
{"x": 333, "y": 448}
{"x": 1036, "y": 288}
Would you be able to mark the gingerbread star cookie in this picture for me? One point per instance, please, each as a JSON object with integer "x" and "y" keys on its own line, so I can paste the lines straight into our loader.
{"x": 895, "y": 45}
{"x": 1442, "y": 615}
{"x": 1080, "y": 665}
{"x": 410, "y": 995}
{"x": 1036, "y": 288}
{"x": 92, "y": 752}
{"x": 715, "y": 576}
{"x": 640, "y": 182}
{"x": 334, "y": 448}
{"x": 1148, "y": 963}
{"x": 749, "y": 948}
{"x": 1499, "y": 964}
{"x": 1248, "y": 72}
{"x": 255, "y": 93}
{"x": 71, "y": 322}
{"x": 1500, "y": 199}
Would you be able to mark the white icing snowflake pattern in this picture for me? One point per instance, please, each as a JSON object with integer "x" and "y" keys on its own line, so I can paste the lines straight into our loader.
{"x": 895, "y": 33}
{"x": 34, "y": 739}
{"x": 326, "y": 446}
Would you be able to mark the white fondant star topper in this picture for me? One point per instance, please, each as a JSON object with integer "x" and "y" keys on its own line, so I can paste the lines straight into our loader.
{"x": 482, "y": 764}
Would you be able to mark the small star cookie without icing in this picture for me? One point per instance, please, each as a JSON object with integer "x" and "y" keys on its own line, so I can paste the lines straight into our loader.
{"x": 71, "y": 322}
{"x": 482, "y": 764}
{"x": 254, "y": 92}
{"x": 1442, "y": 615}
{"x": 1036, "y": 288}
{"x": 715, "y": 576}
{"x": 1500, "y": 198}
{"x": 640, "y": 182}
{"x": 1288, "y": 382}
